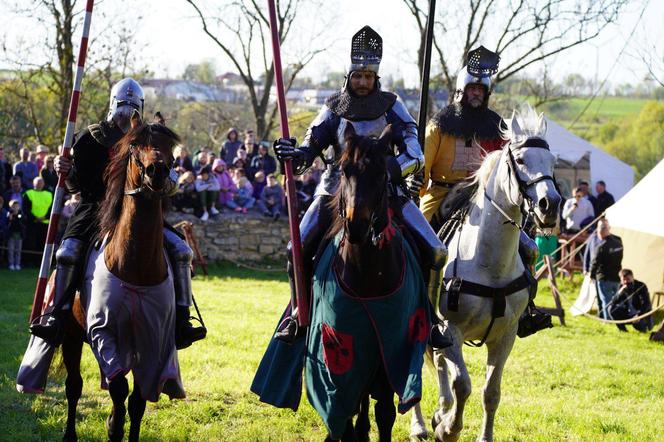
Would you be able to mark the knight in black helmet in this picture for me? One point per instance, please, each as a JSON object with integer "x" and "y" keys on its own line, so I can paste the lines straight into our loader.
{"x": 85, "y": 175}
{"x": 362, "y": 103}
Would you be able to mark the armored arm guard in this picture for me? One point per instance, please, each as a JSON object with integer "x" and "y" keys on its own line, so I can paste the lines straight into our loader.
{"x": 411, "y": 159}
{"x": 320, "y": 135}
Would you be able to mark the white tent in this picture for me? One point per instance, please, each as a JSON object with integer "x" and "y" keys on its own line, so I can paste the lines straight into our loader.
{"x": 575, "y": 153}
{"x": 638, "y": 218}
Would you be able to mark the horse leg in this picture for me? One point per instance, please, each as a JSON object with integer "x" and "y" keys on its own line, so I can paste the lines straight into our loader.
{"x": 496, "y": 358}
{"x": 445, "y": 397}
{"x": 384, "y": 409}
{"x": 418, "y": 428}
{"x": 136, "y": 410}
{"x": 450, "y": 427}
{"x": 362, "y": 425}
{"x": 72, "y": 347}
{"x": 119, "y": 389}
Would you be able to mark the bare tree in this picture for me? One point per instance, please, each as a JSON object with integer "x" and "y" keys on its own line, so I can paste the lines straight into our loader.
{"x": 523, "y": 32}
{"x": 241, "y": 30}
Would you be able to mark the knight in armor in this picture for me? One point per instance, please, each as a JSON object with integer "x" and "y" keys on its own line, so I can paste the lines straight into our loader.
{"x": 362, "y": 103}
{"x": 85, "y": 175}
{"x": 457, "y": 139}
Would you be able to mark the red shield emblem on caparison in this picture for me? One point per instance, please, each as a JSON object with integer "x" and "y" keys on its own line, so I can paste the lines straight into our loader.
{"x": 337, "y": 350}
{"x": 418, "y": 327}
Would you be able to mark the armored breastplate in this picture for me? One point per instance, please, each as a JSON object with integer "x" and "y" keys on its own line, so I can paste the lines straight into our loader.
{"x": 330, "y": 179}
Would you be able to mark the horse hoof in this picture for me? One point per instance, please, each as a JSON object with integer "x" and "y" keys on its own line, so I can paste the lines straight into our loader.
{"x": 112, "y": 435}
{"x": 418, "y": 432}
{"x": 443, "y": 434}
{"x": 418, "y": 437}
{"x": 69, "y": 437}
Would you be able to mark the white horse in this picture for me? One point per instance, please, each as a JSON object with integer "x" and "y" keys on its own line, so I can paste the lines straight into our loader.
{"x": 484, "y": 253}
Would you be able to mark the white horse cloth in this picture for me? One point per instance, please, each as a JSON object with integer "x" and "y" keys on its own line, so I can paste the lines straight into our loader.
{"x": 132, "y": 328}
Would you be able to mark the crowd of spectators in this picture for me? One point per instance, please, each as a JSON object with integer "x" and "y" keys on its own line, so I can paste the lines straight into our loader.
{"x": 26, "y": 197}
{"x": 242, "y": 178}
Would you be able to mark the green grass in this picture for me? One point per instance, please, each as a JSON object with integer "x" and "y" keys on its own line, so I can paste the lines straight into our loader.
{"x": 583, "y": 382}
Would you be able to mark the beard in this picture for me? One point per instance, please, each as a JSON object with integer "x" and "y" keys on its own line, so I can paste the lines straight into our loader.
{"x": 475, "y": 102}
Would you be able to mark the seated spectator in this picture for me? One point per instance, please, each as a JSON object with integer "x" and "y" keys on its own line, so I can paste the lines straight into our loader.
{"x": 15, "y": 191}
{"x": 186, "y": 199}
{"x": 264, "y": 161}
{"x": 49, "y": 175}
{"x": 241, "y": 162}
{"x": 4, "y": 224}
{"x": 26, "y": 169}
{"x": 182, "y": 161}
{"x": 258, "y": 184}
{"x": 5, "y": 173}
{"x": 15, "y": 235}
{"x": 631, "y": 300}
{"x": 603, "y": 200}
{"x": 604, "y": 252}
{"x": 227, "y": 187}
{"x": 577, "y": 212}
{"x": 231, "y": 145}
{"x": 307, "y": 190}
{"x": 272, "y": 198}
{"x": 200, "y": 161}
{"x": 40, "y": 156}
{"x": 207, "y": 188}
{"x": 242, "y": 201}
{"x": 37, "y": 209}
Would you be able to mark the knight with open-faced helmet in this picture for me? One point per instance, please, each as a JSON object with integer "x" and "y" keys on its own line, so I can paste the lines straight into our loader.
{"x": 362, "y": 103}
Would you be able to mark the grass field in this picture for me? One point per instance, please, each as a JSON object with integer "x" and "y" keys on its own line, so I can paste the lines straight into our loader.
{"x": 583, "y": 382}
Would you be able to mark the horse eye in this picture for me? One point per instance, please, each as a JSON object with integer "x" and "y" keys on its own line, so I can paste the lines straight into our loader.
{"x": 520, "y": 161}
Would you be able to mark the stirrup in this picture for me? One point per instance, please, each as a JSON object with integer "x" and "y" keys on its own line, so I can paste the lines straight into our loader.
{"x": 52, "y": 331}
{"x": 187, "y": 334}
{"x": 290, "y": 333}
{"x": 533, "y": 320}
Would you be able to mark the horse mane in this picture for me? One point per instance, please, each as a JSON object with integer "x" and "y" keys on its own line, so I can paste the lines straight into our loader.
{"x": 531, "y": 124}
{"x": 115, "y": 174}
{"x": 480, "y": 177}
{"x": 356, "y": 149}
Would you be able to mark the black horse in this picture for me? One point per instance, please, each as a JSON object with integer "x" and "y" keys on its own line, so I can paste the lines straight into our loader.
{"x": 372, "y": 268}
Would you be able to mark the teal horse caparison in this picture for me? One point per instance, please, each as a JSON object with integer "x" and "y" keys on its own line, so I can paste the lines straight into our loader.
{"x": 351, "y": 335}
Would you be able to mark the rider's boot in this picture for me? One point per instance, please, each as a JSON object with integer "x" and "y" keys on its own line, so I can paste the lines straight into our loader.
{"x": 180, "y": 256}
{"x": 50, "y": 326}
{"x": 436, "y": 255}
{"x": 290, "y": 331}
{"x": 532, "y": 319}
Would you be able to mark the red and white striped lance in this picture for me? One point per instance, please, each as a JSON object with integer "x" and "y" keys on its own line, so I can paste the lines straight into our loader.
{"x": 66, "y": 148}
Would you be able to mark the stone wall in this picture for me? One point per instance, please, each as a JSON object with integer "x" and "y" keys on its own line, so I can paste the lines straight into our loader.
{"x": 239, "y": 237}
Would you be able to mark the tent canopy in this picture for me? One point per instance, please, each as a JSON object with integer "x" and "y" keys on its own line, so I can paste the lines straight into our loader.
{"x": 575, "y": 152}
{"x": 637, "y": 219}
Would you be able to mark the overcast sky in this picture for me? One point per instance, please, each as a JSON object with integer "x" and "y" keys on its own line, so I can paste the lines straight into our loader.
{"x": 172, "y": 38}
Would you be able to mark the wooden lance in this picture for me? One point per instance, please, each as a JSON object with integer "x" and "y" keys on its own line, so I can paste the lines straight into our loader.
{"x": 58, "y": 197}
{"x": 291, "y": 195}
{"x": 426, "y": 67}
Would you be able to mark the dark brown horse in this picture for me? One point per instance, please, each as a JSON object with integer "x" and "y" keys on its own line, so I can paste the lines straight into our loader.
{"x": 366, "y": 265}
{"x": 131, "y": 220}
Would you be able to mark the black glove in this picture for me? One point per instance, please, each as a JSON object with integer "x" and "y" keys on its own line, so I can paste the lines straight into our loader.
{"x": 414, "y": 183}
{"x": 284, "y": 149}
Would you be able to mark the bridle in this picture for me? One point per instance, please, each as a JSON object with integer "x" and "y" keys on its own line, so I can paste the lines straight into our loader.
{"x": 145, "y": 187}
{"x": 379, "y": 224}
{"x": 530, "y": 142}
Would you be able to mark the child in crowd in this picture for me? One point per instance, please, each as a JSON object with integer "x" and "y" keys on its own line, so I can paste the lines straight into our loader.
{"x": 4, "y": 221}
{"x": 227, "y": 187}
{"x": 186, "y": 199}
{"x": 272, "y": 198}
{"x": 207, "y": 187}
{"x": 16, "y": 234}
{"x": 243, "y": 201}
{"x": 259, "y": 184}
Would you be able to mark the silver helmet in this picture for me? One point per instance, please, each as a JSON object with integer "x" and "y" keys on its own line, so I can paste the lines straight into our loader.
{"x": 481, "y": 65}
{"x": 126, "y": 96}
{"x": 366, "y": 51}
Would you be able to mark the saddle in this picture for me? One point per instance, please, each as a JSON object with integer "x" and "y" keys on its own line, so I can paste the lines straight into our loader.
{"x": 453, "y": 210}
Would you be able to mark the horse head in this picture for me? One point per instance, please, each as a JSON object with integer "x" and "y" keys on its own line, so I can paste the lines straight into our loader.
{"x": 150, "y": 150}
{"x": 362, "y": 196}
{"x": 530, "y": 164}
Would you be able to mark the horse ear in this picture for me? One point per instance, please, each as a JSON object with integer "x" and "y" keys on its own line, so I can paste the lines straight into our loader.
{"x": 349, "y": 131}
{"x": 159, "y": 119}
{"x": 516, "y": 128}
{"x": 542, "y": 125}
{"x": 135, "y": 119}
{"x": 385, "y": 137}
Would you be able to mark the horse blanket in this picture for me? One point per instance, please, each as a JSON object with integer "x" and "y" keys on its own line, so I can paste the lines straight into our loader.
{"x": 351, "y": 336}
{"x": 132, "y": 328}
